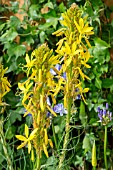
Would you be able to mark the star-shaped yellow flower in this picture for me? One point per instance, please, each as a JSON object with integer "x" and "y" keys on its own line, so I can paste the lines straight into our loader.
{"x": 26, "y": 139}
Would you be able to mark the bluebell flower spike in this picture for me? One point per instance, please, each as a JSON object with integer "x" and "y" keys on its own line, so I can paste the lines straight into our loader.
{"x": 104, "y": 115}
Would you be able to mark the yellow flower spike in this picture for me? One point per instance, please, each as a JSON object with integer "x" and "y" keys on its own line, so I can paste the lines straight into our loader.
{"x": 45, "y": 150}
{"x": 38, "y": 117}
{"x": 32, "y": 155}
{"x": 46, "y": 137}
{"x": 51, "y": 143}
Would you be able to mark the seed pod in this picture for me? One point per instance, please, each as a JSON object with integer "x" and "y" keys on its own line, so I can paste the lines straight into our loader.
{"x": 94, "y": 160}
{"x": 45, "y": 150}
{"x": 32, "y": 155}
{"x": 41, "y": 102}
{"x": 51, "y": 143}
{"x": 46, "y": 137}
{"x": 40, "y": 75}
{"x": 38, "y": 118}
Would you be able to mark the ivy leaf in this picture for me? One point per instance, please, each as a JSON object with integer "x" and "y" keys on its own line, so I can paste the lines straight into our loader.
{"x": 17, "y": 50}
{"x": 10, "y": 35}
{"x": 29, "y": 40}
{"x": 49, "y": 4}
{"x": 61, "y": 7}
{"x": 14, "y": 22}
{"x": 100, "y": 44}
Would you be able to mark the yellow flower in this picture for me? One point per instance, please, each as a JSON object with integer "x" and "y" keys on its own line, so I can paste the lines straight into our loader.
{"x": 26, "y": 139}
{"x": 83, "y": 28}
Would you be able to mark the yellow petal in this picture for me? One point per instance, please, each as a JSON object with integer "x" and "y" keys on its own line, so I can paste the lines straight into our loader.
{"x": 29, "y": 146}
{"x": 32, "y": 135}
{"x": 21, "y": 86}
{"x": 22, "y": 145}
{"x": 26, "y": 130}
{"x": 67, "y": 49}
{"x": 27, "y": 59}
{"x": 81, "y": 23}
{"x": 51, "y": 111}
{"x": 20, "y": 137}
{"x": 85, "y": 90}
{"x": 78, "y": 27}
{"x": 88, "y": 29}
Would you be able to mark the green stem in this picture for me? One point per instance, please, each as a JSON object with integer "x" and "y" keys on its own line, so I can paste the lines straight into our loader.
{"x": 94, "y": 168}
{"x": 38, "y": 162}
{"x": 54, "y": 136}
{"x": 67, "y": 129}
{"x": 105, "y": 146}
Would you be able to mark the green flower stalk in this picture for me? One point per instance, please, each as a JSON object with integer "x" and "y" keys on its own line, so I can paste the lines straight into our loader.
{"x": 36, "y": 89}
{"x": 105, "y": 147}
{"x": 105, "y": 117}
{"x": 73, "y": 51}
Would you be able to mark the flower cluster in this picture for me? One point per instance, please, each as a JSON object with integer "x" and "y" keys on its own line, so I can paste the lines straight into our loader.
{"x": 104, "y": 115}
